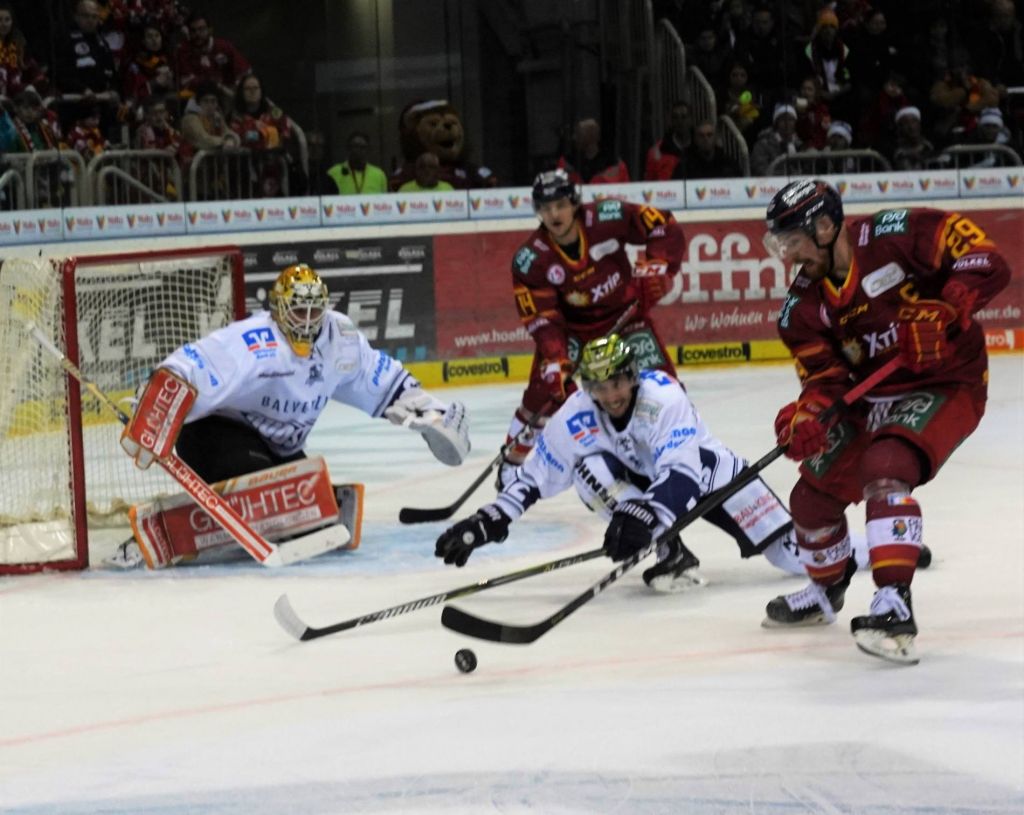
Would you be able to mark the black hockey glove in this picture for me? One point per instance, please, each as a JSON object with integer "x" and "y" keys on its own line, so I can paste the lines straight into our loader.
{"x": 630, "y": 530}
{"x": 488, "y": 525}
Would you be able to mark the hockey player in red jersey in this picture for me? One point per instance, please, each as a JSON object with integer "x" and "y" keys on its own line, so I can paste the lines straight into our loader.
{"x": 573, "y": 281}
{"x": 902, "y": 282}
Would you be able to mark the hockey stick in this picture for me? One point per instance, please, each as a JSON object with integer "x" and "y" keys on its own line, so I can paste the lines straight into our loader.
{"x": 293, "y": 624}
{"x": 267, "y": 553}
{"x": 465, "y": 623}
{"x": 412, "y": 515}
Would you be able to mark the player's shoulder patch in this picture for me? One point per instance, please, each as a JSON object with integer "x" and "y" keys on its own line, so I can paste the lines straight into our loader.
{"x": 609, "y": 209}
{"x": 523, "y": 259}
{"x": 890, "y": 222}
{"x": 786, "y": 312}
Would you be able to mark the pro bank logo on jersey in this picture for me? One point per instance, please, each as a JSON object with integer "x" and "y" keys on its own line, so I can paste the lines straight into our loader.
{"x": 892, "y": 222}
{"x": 261, "y": 342}
{"x": 583, "y": 427}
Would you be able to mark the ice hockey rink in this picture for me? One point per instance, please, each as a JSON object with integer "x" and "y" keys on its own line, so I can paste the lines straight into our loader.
{"x": 177, "y": 692}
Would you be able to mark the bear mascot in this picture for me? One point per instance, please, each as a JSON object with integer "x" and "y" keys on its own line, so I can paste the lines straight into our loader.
{"x": 435, "y": 126}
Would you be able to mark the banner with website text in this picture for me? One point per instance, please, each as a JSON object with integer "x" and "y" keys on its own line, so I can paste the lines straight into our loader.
{"x": 729, "y": 292}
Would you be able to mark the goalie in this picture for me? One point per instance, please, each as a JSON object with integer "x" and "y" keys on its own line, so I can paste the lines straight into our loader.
{"x": 244, "y": 399}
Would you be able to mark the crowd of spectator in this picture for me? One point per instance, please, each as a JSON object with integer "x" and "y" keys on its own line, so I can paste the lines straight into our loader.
{"x": 143, "y": 75}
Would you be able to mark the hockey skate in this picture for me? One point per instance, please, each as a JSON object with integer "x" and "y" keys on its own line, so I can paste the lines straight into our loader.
{"x": 812, "y": 605}
{"x": 676, "y": 569}
{"x": 889, "y": 630}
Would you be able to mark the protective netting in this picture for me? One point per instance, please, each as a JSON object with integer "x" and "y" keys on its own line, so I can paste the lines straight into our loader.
{"x": 130, "y": 315}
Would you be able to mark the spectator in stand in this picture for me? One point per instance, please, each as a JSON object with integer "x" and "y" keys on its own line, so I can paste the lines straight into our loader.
{"x": 663, "y": 157}
{"x": 740, "y": 102}
{"x": 778, "y": 140}
{"x": 85, "y": 136}
{"x": 840, "y": 137}
{"x": 705, "y": 158}
{"x": 28, "y": 129}
{"x": 113, "y": 27}
{"x": 355, "y": 175}
{"x": 17, "y": 69}
{"x": 203, "y": 58}
{"x": 957, "y": 99}
{"x": 878, "y": 126}
{"x": 913, "y": 151}
{"x": 593, "y": 164}
{"x": 140, "y": 71}
{"x": 428, "y": 176}
{"x": 873, "y": 55}
{"x": 710, "y": 55}
{"x": 998, "y": 47}
{"x": 761, "y": 49}
{"x": 156, "y": 131}
{"x": 828, "y": 58}
{"x": 812, "y": 115}
{"x": 84, "y": 63}
{"x": 203, "y": 126}
{"x": 991, "y": 130}
{"x": 261, "y": 126}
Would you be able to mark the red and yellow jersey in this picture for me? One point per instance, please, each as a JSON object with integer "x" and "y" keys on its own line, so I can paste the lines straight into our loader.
{"x": 557, "y": 296}
{"x": 839, "y": 334}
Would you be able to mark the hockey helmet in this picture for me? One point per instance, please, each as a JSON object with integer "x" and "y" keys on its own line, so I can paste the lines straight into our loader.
{"x": 299, "y": 305}
{"x": 603, "y": 358}
{"x": 552, "y": 185}
{"x": 797, "y": 207}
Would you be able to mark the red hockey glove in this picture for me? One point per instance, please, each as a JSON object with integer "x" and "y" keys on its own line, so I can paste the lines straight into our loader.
{"x": 654, "y": 281}
{"x": 158, "y": 418}
{"x": 922, "y": 333}
{"x": 798, "y": 430}
{"x": 555, "y": 373}
{"x": 962, "y": 298}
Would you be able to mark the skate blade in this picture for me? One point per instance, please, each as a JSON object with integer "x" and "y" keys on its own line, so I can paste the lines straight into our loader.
{"x": 899, "y": 649}
{"x": 667, "y": 584}
{"x": 806, "y": 622}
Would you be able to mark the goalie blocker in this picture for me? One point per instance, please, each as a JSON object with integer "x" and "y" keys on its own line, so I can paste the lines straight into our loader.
{"x": 279, "y": 502}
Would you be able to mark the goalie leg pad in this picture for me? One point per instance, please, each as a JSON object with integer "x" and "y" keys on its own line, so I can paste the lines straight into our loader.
{"x": 350, "y": 510}
{"x": 283, "y": 501}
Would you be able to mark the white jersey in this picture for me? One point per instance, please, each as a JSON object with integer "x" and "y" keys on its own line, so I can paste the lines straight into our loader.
{"x": 247, "y": 371}
{"x": 662, "y": 442}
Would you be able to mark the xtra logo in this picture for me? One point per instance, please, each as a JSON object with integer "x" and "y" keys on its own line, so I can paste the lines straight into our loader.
{"x": 475, "y": 369}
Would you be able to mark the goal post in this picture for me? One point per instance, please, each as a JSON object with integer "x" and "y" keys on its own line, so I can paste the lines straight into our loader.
{"x": 116, "y": 316}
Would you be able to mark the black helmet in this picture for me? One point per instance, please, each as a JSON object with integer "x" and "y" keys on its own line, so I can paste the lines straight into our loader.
{"x": 798, "y": 205}
{"x": 551, "y": 185}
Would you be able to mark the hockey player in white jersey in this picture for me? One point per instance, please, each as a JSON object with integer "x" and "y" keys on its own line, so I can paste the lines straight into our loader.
{"x": 245, "y": 397}
{"x": 638, "y": 453}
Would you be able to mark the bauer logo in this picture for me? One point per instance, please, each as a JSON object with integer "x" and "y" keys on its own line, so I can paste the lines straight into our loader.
{"x": 475, "y": 369}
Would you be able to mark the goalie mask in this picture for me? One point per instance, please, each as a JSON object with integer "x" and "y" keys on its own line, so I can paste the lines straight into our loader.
{"x": 603, "y": 358}
{"x": 298, "y": 303}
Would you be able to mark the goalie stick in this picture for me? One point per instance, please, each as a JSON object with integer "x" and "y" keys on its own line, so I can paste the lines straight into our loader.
{"x": 412, "y": 515}
{"x": 293, "y": 624}
{"x": 469, "y": 624}
{"x": 267, "y": 553}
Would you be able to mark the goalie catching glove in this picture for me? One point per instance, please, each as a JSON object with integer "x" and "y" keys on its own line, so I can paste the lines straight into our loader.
{"x": 158, "y": 417}
{"x": 489, "y": 524}
{"x": 445, "y": 428}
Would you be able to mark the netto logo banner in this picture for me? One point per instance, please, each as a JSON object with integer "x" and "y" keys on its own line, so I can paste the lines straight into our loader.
{"x": 285, "y": 258}
{"x": 412, "y": 252}
{"x": 475, "y": 369}
{"x": 723, "y": 352}
{"x": 326, "y": 255}
{"x": 365, "y": 253}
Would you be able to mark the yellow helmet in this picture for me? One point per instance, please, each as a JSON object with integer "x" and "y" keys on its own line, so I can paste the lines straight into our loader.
{"x": 603, "y": 358}
{"x": 298, "y": 303}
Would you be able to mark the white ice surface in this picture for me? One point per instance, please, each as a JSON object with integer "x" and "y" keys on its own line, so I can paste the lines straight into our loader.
{"x": 176, "y": 692}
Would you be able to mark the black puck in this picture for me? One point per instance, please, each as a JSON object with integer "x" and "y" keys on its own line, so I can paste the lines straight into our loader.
{"x": 465, "y": 660}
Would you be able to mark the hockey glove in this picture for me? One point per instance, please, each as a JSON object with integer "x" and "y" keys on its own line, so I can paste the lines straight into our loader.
{"x": 555, "y": 374}
{"x": 962, "y": 299}
{"x": 630, "y": 530}
{"x": 489, "y": 524}
{"x": 921, "y": 331}
{"x": 444, "y": 428}
{"x": 158, "y": 417}
{"x": 798, "y": 430}
{"x": 654, "y": 280}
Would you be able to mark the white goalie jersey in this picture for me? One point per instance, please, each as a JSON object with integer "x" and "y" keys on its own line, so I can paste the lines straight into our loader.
{"x": 248, "y": 372}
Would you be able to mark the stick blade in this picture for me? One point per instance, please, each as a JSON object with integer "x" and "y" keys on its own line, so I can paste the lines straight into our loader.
{"x": 472, "y": 626}
{"x": 411, "y": 515}
{"x": 289, "y": 620}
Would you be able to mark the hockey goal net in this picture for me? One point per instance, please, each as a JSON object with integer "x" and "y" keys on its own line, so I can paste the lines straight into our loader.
{"x": 116, "y": 316}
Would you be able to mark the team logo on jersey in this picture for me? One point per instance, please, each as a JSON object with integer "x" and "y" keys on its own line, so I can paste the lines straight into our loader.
{"x": 556, "y": 275}
{"x": 609, "y": 209}
{"x": 316, "y": 373}
{"x": 882, "y": 279}
{"x": 260, "y": 341}
{"x": 892, "y": 222}
{"x": 899, "y": 529}
{"x": 583, "y": 427}
{"x": 787, "y": 310}
{"x": 524, "y": 259}
{"x": 577, "y": 298}
{"x": 853, "y": 351}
